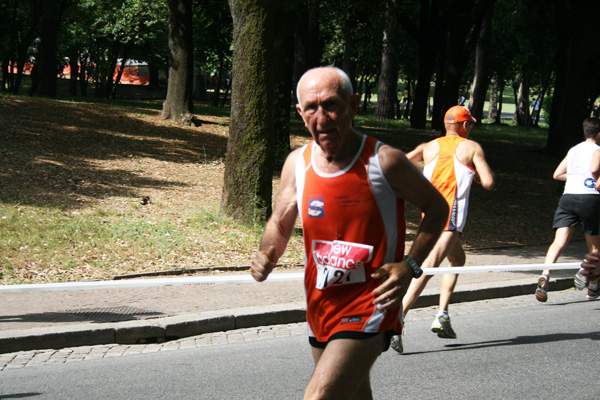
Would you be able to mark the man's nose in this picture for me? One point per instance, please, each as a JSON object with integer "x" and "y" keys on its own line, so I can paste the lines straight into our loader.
{"x": 322, "y": 114}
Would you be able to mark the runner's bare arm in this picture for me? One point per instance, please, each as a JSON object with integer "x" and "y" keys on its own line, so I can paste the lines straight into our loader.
{"x": 595, "y": 166}
{"x": 485, "y": 176}
{"x": 560, "y": 174}
{"x": 416, "y": 155}
{"x": 280, "y": 225}
{"x": 410, "y": 184}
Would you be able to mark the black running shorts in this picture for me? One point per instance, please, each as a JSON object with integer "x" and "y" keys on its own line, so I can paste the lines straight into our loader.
{"x": 352, "y": 335}
{"x": 575, "y": 208}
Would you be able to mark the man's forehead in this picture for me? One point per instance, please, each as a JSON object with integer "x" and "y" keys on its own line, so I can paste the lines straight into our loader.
{"x": 320, "y": 87}
{"x": 320, "y": 79}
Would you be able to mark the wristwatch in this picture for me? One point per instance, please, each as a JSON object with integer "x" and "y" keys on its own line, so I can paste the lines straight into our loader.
{"x": 415, "y": 267}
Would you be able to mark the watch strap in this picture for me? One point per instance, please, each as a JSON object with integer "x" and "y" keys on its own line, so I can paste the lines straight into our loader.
{"x": 415, "y": 267}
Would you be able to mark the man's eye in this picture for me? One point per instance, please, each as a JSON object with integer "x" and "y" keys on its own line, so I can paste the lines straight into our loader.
{"x": 330, "y": 106}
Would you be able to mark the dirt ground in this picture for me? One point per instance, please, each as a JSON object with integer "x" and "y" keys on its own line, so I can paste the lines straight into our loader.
{"x": 78, "y": 156}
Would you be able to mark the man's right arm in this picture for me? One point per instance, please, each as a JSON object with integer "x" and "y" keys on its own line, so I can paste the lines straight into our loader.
{"x": 280, "y": 225}
{"x": 560, "y": 173}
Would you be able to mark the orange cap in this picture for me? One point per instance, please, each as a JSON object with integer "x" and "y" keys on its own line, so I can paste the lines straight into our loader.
{"x": 458, "y": 114}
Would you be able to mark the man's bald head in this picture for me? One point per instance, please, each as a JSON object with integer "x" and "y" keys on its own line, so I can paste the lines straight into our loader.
{"x": 344, "y": 86}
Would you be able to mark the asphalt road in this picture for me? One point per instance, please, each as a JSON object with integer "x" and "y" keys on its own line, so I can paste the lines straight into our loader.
{"x": 513, "y": 348}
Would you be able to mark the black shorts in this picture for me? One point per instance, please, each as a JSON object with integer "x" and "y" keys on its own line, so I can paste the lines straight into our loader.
{"x": 352, "y": 335}
{"x": 575, "y": 208}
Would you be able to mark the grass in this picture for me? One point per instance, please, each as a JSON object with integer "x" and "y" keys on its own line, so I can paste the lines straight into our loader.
{"x": 527, "y": 136}
{"x": 47, "y": 244}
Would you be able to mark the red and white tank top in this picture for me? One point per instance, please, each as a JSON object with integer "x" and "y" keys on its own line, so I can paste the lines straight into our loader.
{"x": 353, "y": 223}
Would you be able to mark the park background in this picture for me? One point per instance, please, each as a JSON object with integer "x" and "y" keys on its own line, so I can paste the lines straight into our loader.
{"x": 103, "y": 178}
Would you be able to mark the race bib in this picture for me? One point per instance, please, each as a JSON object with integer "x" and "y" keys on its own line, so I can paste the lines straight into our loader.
{"x": 340, "y": 263}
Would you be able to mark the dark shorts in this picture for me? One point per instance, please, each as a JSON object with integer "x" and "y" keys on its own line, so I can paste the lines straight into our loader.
{"x": 352, "y": 335}
{"x": 575, "y": 208}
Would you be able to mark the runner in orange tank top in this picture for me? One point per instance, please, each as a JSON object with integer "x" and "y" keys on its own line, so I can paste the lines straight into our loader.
{"x": 451, "y": 163}
{"x": 349, "y": 190}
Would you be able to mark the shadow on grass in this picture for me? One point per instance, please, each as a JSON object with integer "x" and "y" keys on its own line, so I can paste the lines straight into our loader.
{"x": 52, "y": 152}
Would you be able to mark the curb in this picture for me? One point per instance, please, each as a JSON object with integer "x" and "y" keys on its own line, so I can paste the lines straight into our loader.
{"x": 177, "y": 327}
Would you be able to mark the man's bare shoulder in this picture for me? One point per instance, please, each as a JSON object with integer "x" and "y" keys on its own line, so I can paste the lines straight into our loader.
{"x": 291, "y": 158}
{"x": 469, "y": 145}
{"x": 390, "y": 153}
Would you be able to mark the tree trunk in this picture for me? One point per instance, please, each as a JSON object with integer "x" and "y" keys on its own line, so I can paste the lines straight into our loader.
{"x": 117, "y": 81}
{"x": 307, "y": 49}
{"x": 387, "y": 96}
{"x": 481, "y": 79}
{"x": 536, "y": 116}
{"x": 44, "y": 80}
{"x": 178, "y": 104}
{"x": 493, "y": 102}
{"x": 437, "y": 111}
{"x": 283, "y": 69}
{"x": 111, "y": 67}
{"x": 83, "y": 75}
{"x": 154, "y": 76}
{"x": 74, "y": 67}
{"x": 350, "y": 48}
{"x": 199, "y": 92}
{"x": 408, "y": 103}
{"x": 522, "y": 109}
{"x": 463, "y": 33}
{"x": 217, "y": 88}
{"x": 498, "y": 119}
{"x": 575, "y": 69}
{"x": 428, "y": 35}
{"x": 247, "y": 190}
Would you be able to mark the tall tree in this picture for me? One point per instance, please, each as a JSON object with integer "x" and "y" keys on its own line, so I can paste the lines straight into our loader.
{"x": 481, "y": 78}
{"x": 45, "y": 71}
{"x": 387, "y": 95}
{"x": 429, "y": 30}
{"x": 577, "y": 65}
{"x": 247, "y": 192}
{"x": 463, "y": 18}
{"x": 178, "y": 104}
{"x": 20, "y": 23}
{"x": 308, "y": 46}
{"x": 283, "y": 68}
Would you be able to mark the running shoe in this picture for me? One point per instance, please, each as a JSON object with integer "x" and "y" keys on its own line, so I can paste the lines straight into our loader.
{"x": 396, "y": 344}
{"x": 593, "y": 294}
{"x": 541, "y": 293}
{"x": 581, "y": 282}
{"x": 442, "y": 327}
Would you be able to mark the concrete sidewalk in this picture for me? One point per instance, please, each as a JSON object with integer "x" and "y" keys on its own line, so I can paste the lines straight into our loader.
{"x": 35, "y": 320}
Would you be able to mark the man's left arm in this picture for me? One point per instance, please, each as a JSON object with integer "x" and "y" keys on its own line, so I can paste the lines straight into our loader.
{"x": 482, "y": 168}
{"x": 410, "y": 184}
{"x": 591, "y": 266}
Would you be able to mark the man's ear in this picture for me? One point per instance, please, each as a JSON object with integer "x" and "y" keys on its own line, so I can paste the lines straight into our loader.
{"x": 299, "y": 109}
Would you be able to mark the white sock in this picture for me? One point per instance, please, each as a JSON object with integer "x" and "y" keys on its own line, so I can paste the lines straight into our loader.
{"x": 443, "y": 313}
{"x": 593, "y": 286}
